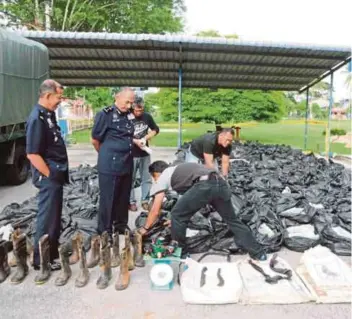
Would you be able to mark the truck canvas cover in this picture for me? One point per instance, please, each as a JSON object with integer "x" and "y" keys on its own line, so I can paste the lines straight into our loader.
{"x": 24, "y": 64}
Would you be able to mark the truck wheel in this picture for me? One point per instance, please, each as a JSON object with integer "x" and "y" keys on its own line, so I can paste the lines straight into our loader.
{"x": 17, "y": 173}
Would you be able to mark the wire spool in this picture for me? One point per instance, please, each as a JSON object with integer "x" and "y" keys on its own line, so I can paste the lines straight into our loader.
{"x": 161, "y": 276}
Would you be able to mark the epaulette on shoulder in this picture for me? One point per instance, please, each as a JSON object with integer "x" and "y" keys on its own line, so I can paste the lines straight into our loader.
{"x": 107, "y": 109}
{"x": 41, "y": 115}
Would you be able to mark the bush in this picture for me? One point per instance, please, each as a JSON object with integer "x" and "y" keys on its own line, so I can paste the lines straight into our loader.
{"x": 336, "y": 131}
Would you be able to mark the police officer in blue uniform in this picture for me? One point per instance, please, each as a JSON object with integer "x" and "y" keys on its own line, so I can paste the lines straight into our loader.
{"x": 112, "y": 137}
{"x": 47, "y": 154}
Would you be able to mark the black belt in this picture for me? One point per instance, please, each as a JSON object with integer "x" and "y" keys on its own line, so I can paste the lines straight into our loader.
{"x": 273, "y": 280}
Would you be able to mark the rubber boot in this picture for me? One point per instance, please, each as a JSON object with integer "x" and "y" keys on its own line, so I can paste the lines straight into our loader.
{"x": 128, "y": 250}
{"x": 30, "y": 251}
{"x": 12, "y": 261}
{"x": 20, "y": 253}
{"x": 104, "y": 262}
{"x": 137, "y": 250}
{"x": 93, "y": 259}
{"x": 45, "y": 269}
{"x": 66, "y": 271}
{"x": 123, "y": 280}
{"x": 83, "y": 276}
{"x": 4, "y": 266}
{"x": 75, "y": 243}
{"x": 115, "y": 259}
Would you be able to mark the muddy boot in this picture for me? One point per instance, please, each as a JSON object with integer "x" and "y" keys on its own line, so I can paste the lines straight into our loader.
{"x": 93, "y": 259}
{"x": 137, "y": 250}
{"x": 12, "y": 261}
{"x": 83, "y": 276}
{"x": 123, "y": 279}
{"x": 104, "y": 262}
{"x": 45, "y": 269}
{"x": 20, "y": 253}
{"x": 115, "y": 259}
{"x": 75, "y": 243}
{"x": 30, "y": 251}
{"x": 128, "y": 250}
{"x": 4, "y": 266}
{"x": 66, "y": 271}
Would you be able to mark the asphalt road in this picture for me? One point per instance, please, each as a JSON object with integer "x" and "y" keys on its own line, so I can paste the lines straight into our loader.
{"x": 48, "y": 301}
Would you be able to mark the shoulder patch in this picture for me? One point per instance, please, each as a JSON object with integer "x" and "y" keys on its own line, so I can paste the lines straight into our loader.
{"x": 107, "y": 109}
{"x": 41, "y": 115}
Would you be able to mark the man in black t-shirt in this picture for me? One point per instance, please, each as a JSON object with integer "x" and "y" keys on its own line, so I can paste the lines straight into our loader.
{"x": 141, "y": 159}
{"x": 199, "y": 186}
{"x": 209, "y": 147}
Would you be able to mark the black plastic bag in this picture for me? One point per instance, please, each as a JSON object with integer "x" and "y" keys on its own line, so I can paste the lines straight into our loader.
{"x": 301, "y": 238}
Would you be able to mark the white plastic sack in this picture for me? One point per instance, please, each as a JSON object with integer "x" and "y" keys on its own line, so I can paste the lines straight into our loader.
{"x": 221, "y": 285}
{"x": 257, "y": 291}
{"x": 326, "y": 275}
{"x": 5, "y": 232}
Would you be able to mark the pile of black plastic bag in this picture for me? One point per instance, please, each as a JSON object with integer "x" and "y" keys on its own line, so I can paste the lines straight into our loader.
{"x": 285, "y": 197}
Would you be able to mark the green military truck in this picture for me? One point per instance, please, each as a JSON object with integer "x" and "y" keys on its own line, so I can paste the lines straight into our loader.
{"x": 24, "y": 64}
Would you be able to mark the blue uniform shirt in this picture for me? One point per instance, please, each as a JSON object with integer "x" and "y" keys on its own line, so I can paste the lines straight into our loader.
{"x": 114, "y": 130}
{"x": 43, "y": 137}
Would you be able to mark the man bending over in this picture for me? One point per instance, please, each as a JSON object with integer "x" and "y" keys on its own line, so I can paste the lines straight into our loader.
{"x": 199, "y": 186}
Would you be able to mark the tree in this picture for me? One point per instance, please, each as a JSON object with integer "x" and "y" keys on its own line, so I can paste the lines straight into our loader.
{"x": 220, "y": 106}
{"x": 128, "y": 16}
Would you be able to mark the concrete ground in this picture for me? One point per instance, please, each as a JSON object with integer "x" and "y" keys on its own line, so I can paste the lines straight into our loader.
{"x": 48, "y": 301}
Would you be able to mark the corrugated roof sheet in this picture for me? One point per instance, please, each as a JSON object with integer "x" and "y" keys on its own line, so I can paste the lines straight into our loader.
{"x": 112, "y": 59}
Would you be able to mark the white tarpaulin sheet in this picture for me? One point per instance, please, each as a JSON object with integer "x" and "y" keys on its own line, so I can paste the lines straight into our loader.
{"x": 257, "y": 291}
{"x": 326, "y": 275}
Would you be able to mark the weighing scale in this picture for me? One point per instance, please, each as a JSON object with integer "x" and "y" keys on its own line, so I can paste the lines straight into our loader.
{"x": 162, "y": 274}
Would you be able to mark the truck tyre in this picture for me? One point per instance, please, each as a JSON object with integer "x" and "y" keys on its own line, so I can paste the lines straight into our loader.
{"x": 17, "y": 173}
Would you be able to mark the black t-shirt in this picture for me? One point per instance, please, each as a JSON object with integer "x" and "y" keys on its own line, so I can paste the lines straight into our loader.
{"x": 141, "y": 126}
{"x": 207, "y": 144}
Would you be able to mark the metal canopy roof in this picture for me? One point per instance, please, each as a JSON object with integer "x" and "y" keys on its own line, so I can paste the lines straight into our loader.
{"x": 112, "y": 59}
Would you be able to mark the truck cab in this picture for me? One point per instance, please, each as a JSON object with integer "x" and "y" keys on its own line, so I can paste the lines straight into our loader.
{"x": 24, "y": 64}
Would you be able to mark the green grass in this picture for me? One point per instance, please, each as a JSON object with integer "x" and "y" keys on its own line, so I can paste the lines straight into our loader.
{"x": 285, "y": 132}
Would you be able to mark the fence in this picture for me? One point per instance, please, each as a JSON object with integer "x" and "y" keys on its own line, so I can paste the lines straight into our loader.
{"x": 79, "y": 124}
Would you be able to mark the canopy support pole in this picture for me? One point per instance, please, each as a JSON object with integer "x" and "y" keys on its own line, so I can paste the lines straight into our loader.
{"x": 331, "y": 102}
{"x": 180, "y": 106}
{"x": 306, "y": 121}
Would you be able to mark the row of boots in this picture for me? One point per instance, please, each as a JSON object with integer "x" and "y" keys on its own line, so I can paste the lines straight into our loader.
{"x": 103, "y": 253}
{"x": 22, "y": 248}
{"x": 106, "y": 255}
{"x": 19, "y": 243}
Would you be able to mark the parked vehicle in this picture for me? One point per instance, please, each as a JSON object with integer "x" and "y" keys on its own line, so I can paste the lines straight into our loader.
{"x": 24, "y": 64}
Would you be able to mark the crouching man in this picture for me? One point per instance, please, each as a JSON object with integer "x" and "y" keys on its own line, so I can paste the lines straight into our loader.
{"x": 199, "y": 186}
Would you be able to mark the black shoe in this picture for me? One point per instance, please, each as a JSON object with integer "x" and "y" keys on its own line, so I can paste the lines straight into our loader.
{"x": 261, "y": 257}
{"x": 121, "y": 229}
{"x": 55, "y": 266}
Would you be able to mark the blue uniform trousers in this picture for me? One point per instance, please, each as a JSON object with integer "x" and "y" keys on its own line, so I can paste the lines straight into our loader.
{"x": 114, "y": 201}
{"x": 48, "y": 217}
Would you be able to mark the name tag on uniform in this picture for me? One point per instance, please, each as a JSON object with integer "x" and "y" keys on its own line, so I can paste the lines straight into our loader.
{"x": 130, "y": 116}
{"x": 114, "y": 117}
{"x": 51, "y": 125}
